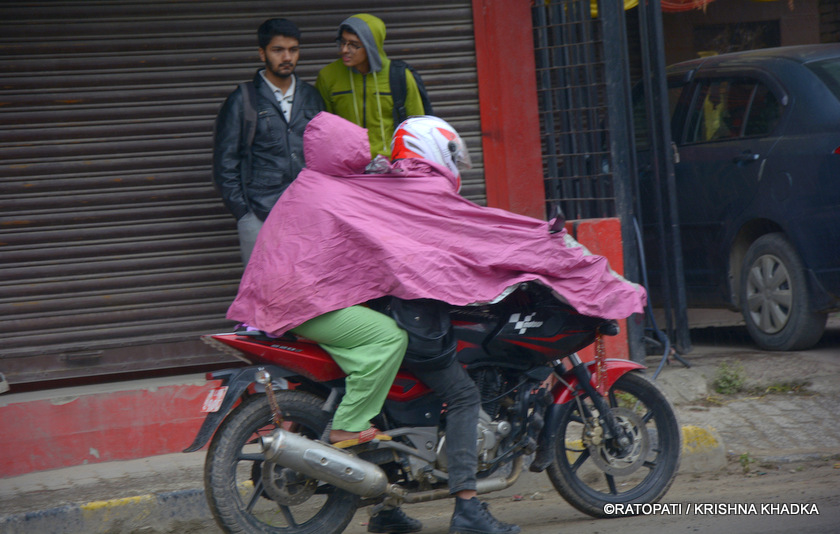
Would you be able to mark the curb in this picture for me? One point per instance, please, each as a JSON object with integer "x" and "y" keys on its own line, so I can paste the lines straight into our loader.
{"x": 129, "y": 514}
{"x": 702, "y": 451}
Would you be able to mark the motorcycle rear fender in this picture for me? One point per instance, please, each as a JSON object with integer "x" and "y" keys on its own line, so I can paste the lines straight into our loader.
{"x": 613, "y": 368}
{"x": 237, "y": 381}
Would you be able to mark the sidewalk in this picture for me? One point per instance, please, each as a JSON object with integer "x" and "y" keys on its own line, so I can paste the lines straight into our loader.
{"x": 164, "y": 493}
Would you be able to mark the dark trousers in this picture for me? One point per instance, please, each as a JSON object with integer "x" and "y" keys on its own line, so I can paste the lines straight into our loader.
{"x": 454, "y": 387}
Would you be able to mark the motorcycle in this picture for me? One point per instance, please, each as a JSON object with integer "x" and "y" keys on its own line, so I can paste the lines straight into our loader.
{"x": 603, "y": 432}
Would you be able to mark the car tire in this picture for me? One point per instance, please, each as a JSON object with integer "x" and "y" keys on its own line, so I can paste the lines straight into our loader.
{"x": 775, "y": 301}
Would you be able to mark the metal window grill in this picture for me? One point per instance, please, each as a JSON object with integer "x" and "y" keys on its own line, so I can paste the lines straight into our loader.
{"x": 571, "y": 91}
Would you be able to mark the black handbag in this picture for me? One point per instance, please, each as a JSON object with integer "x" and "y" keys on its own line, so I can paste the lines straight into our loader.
{"x": 431, "y": 341}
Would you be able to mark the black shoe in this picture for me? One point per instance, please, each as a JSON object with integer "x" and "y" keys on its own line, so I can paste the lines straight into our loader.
{"x": 472, "y": 517}
{"x": 394, "y": 521}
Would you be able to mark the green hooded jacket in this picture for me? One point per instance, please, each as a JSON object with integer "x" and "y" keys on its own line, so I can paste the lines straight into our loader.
{"x": 365, "y": 99}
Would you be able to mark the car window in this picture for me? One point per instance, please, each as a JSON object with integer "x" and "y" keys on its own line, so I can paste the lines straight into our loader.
{"x": 726, "y": 108}
{"x": 765, "y": 112}
{"x": 829, "y": 72}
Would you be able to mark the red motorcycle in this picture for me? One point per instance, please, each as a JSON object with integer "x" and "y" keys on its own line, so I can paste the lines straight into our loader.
{"x": 602, "y": 432}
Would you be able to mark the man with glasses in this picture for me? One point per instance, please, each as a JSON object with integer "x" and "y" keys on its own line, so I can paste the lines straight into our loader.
{"x": 255, "y": 159}
{"x": 356, "y": 87}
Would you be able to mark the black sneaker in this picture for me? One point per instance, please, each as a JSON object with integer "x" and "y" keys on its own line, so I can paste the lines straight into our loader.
{"x": 472, "y": 517}
{"x": 393, "y": 521}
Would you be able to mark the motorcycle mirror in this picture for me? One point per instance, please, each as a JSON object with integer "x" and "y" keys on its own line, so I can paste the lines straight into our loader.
{"x": 559, "y": 220}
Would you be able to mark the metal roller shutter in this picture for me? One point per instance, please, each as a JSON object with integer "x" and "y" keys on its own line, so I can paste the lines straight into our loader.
{"x": 116, "y": 253}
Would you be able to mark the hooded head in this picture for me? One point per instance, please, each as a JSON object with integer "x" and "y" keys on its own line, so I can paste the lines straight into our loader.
{"x": 335, "y": 146}
{"x": 371, "y": 32}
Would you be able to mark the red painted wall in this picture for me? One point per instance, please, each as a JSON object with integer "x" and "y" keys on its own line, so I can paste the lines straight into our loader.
{"x": 603, "y": 237}
{"x": 92, "y": 424}
{"x": 510, "y": 129}
{"x": 507, "y": 91}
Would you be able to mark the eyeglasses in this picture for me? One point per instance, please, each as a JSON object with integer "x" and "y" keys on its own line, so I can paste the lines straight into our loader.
{"x": 353, "y": 47}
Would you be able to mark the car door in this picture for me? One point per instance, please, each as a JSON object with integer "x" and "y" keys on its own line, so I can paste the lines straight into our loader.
{"x": 722, "y": 147}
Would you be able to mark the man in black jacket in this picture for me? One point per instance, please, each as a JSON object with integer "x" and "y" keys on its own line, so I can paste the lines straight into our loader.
{"x": 258, "y": 148}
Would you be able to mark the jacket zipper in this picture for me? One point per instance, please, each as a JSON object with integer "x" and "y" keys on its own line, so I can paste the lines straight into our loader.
{"x": 364, "y": 100}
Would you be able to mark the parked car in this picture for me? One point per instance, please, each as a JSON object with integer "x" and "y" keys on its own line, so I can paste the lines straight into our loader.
{"x": 757, "y": 171}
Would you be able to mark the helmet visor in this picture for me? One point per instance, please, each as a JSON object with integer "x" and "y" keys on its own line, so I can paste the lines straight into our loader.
{"x": 461, "y": 155}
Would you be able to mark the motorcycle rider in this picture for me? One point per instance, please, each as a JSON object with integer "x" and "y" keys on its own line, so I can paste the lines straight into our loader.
{"x": 369, "y": 347}
{"x": 433, "y": 139}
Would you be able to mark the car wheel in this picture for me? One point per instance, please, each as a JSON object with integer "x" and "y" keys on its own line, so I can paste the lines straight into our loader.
{"x": 774, "y": 297}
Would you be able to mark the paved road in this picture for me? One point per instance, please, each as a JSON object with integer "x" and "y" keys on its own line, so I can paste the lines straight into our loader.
{"x": 707, "y": 504}
{"x": 784, "y": 439}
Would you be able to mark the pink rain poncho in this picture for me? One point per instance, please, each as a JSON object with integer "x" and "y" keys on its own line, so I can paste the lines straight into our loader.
{"x": 338, "y": 237}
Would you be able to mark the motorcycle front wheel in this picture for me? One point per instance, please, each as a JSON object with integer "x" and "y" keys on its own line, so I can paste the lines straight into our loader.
{"x": 590, "y": 472}
{"x": 247, "y": 495}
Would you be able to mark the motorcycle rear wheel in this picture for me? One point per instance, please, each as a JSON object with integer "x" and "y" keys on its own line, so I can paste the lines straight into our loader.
{"x": 236, "y": 478}
{"x": 590, "y": 475}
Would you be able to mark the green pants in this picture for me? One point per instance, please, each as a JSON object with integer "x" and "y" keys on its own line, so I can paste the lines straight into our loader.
{"x": 369, "y": 347}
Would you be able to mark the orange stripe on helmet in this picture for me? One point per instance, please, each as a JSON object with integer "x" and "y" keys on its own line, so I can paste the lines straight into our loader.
{"x": 400, "y": 151}
{"x": 449, "y": 135}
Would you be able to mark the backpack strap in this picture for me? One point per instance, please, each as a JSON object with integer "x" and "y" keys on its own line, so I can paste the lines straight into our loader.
{"x": 421, "y": 88}
{"x": 249, "y": 114}
{"x": 249, "y": 128}
{"x": 396, "y": 77}
{"x": 399, "y": 89}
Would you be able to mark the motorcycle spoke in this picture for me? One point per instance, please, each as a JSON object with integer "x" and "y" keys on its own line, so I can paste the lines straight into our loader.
{"x": 581, "y": 459}
{"x": 611, "y": 484}
{"x": 250, "y": 457}
{"x": 287, "y": 513}
{"x": 258, "y": 489}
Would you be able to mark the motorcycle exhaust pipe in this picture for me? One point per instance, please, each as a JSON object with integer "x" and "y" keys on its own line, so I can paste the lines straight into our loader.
{"x": 483, "y": 485}
{"x": 323, "y": 462}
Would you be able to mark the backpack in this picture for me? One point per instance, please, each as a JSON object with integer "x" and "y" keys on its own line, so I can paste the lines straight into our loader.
{"x": 396, "y": 77}
{"x": 431, "y": 340}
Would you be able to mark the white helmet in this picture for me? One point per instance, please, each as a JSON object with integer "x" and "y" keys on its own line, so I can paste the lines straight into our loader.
{"x": 430, "y": 138}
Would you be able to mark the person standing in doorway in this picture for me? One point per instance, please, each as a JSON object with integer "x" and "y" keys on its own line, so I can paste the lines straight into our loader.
{"x": 356, "y": 86}
{"x": 258, "y": 141}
